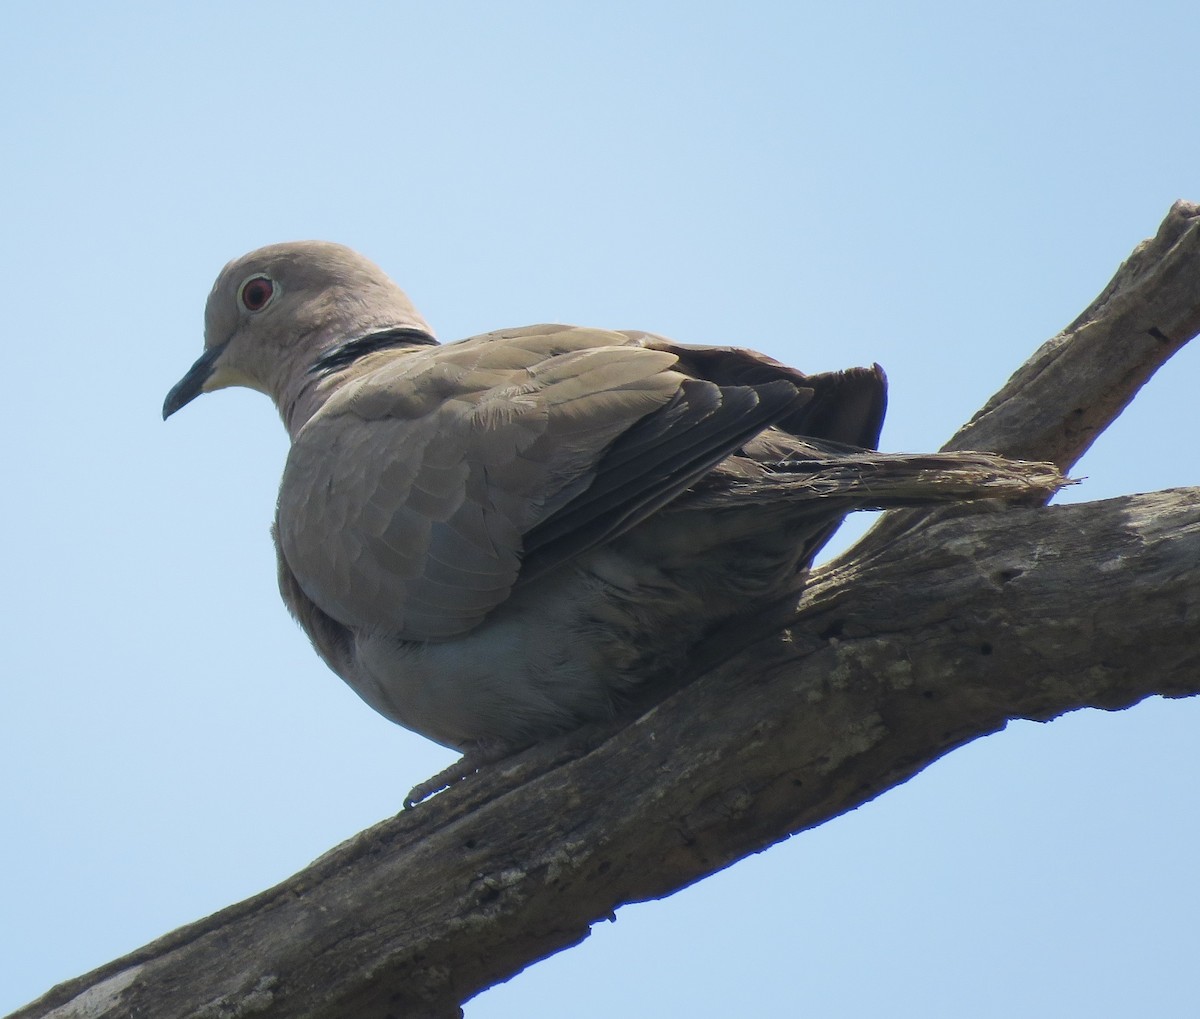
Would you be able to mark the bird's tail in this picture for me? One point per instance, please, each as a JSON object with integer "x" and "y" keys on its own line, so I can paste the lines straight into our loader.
{"x": 863, "y": 479}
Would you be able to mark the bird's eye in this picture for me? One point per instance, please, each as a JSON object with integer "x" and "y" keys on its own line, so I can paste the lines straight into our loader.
{"x": 256, "y": 293}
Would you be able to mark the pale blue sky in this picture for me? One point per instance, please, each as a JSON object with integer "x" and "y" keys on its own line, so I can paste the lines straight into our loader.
{"x": 936, "y": 186}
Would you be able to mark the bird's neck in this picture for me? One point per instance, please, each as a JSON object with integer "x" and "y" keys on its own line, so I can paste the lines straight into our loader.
{"x": 297, "y": 404}
{"x": 308, "y": 384}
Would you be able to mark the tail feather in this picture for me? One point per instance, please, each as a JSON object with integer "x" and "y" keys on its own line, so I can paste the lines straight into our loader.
{"x": 869, "y": 480}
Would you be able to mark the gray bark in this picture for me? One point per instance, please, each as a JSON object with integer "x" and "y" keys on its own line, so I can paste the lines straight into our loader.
{"x": 1027, "y": 612}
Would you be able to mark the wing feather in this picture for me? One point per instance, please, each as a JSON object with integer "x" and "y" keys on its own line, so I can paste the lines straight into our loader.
{"x": 435, "y": 480}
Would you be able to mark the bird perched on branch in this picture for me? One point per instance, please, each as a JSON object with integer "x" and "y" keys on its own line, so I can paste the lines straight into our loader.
{"x": 496, "y": 540}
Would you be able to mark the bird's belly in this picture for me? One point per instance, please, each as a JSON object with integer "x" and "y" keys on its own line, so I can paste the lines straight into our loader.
{"x": 563, "y": 650}
{"x": 547, "y": 661}
{"x": 492, "y": 686}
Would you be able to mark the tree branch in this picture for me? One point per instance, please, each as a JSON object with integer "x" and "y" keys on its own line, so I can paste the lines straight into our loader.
{"x": 1076, "y": 384}
{"x": 1025, "y": 613}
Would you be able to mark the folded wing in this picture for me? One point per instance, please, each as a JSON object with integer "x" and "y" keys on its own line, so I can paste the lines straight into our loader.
{"x": 429, "y": 483}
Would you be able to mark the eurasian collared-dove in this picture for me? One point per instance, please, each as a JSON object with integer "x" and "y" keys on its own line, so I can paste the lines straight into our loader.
{"x": 495, "y": 540}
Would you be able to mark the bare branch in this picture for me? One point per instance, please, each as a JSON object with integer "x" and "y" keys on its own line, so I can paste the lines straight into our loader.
{"x": 1077, "y": 383}
{"x": 1027, "y": 613}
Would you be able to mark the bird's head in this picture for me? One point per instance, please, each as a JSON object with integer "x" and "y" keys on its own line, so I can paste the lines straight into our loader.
{"x": 274, "y": 313}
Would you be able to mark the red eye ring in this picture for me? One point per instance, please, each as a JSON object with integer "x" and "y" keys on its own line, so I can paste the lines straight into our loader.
{"x": 256, "y": 293}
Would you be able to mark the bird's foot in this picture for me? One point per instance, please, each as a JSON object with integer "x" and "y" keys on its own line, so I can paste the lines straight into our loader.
{"x": 474, "y": 757}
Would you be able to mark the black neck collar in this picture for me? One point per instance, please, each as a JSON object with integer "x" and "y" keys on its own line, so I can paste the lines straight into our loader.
{"x": 345, "y": 354}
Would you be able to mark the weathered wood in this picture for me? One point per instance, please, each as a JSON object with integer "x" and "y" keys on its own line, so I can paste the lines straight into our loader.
{"x": 1025, "y": 613}
{"x": 1074, "y": 386}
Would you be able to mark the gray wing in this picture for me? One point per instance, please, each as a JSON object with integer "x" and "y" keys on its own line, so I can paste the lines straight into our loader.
{"x": 411, "y": 500}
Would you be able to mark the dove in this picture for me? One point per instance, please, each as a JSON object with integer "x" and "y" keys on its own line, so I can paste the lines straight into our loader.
{"x": 497, "y": 540}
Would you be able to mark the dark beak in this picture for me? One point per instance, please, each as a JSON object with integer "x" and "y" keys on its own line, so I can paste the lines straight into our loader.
{"x": 192, "y": 384}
